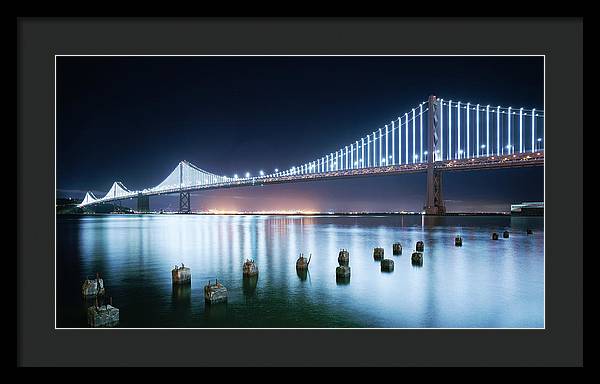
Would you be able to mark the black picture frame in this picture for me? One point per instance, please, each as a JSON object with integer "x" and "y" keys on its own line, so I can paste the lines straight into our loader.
{"x": 560, "y": 40}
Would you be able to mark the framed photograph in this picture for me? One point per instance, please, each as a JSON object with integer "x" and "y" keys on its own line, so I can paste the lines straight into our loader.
{"x": 346, "y": 199}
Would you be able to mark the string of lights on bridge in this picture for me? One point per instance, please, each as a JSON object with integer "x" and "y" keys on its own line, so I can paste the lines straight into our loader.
{"x": 465, "y": 131}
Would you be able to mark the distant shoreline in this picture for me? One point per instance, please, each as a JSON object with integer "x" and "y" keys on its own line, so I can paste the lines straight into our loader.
{"x": 297, "y": 214}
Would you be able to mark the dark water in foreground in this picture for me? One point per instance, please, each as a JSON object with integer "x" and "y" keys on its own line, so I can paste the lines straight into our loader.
{"x": 484, "y": 283}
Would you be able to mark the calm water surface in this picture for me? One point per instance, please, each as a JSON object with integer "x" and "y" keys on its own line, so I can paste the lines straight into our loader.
{"x": 484, "y": 283}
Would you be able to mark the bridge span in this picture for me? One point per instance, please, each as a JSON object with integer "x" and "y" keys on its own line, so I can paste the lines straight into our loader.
{"x": 484, "y": 138}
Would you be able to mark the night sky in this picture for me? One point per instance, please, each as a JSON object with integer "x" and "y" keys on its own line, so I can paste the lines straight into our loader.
{"x": 132, "y": 119}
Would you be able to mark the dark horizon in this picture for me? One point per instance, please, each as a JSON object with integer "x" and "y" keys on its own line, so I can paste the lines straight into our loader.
{"x": 132, "y": 119}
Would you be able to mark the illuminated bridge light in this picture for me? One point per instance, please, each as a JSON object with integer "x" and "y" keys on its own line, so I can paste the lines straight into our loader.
{"x": 188, "y": 177}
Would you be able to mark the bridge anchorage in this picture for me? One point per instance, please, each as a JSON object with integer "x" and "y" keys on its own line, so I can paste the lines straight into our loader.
{"x": 435, "y": 137}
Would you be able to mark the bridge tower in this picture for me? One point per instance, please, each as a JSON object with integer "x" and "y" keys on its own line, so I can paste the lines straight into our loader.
{"x": 184, "y": 202}
{"x": 143, "y": 203}
{"x": 434, "y": 204}
{"x": 184, "y": 197}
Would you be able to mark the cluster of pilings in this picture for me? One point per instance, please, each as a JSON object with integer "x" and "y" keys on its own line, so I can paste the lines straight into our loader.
{"x": 387, "y": 265}
{"x": 416, "y": 258}
{"x": 506, "y": 234}
{"x": 102, "y": 313}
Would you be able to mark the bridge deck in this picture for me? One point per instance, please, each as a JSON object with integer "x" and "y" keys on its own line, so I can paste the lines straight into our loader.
{"x": 488, "y": 162}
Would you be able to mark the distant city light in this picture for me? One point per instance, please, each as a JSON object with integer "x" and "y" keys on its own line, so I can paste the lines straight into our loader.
{"x": 262, "y": 173}
{"x": 235, "y": 176}
{"x": 247, "y": 174}
{"x": 276, "y": 170}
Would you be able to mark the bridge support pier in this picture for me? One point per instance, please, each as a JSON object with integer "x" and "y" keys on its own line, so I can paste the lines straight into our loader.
{"x": 434, "y": 204}
{"x": 184, "y": 202}
{"x": 435, "y": 201}
{"x": 143, "y": 204}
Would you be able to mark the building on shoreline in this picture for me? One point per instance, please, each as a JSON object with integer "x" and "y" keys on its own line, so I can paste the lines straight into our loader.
{"x": 527, "y": 209}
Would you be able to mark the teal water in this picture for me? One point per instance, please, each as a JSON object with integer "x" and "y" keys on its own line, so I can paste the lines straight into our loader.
{"x": 484, "y": 283}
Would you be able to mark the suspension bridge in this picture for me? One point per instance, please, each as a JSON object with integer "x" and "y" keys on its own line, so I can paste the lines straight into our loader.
{"x": 435, "y": 137}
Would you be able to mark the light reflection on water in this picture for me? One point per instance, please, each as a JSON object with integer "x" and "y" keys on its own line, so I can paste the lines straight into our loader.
{"x": 484, "y": 283}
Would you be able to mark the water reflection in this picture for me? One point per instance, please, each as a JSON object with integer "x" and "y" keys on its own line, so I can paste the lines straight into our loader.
{"x": 302, "y": 274}
{"x": 485, "y": 283}
{"x": 249, "y": 285}
{"x": 216, "y": 312}
{"x": 181, "y": 299}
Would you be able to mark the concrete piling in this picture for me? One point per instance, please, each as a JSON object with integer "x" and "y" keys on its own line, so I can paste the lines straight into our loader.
{"x": 397, "y": 249}
{"x": 417, "y": 258}
{"x": 302, "y": 262}
{"x": 302, "y": 274}
{"x": 181, "y": 275}
{"x": 529, "y": 231}
{"x": 93, "y": 287}
{"x": 215, "y": 293}
{"x": 494, "y": 236}
{"x": 420, "y": 247}
{"x": 458, "y": 241}
{"x": 378, "y": 253}
{"x": 342, "y": 272}
{"x": 103, "y": 316}
{"x": 343, "y": 257}
{"x": 505, "y": 234}
{"x": 250, "y": 269}
{"x": 387, "y": 265}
